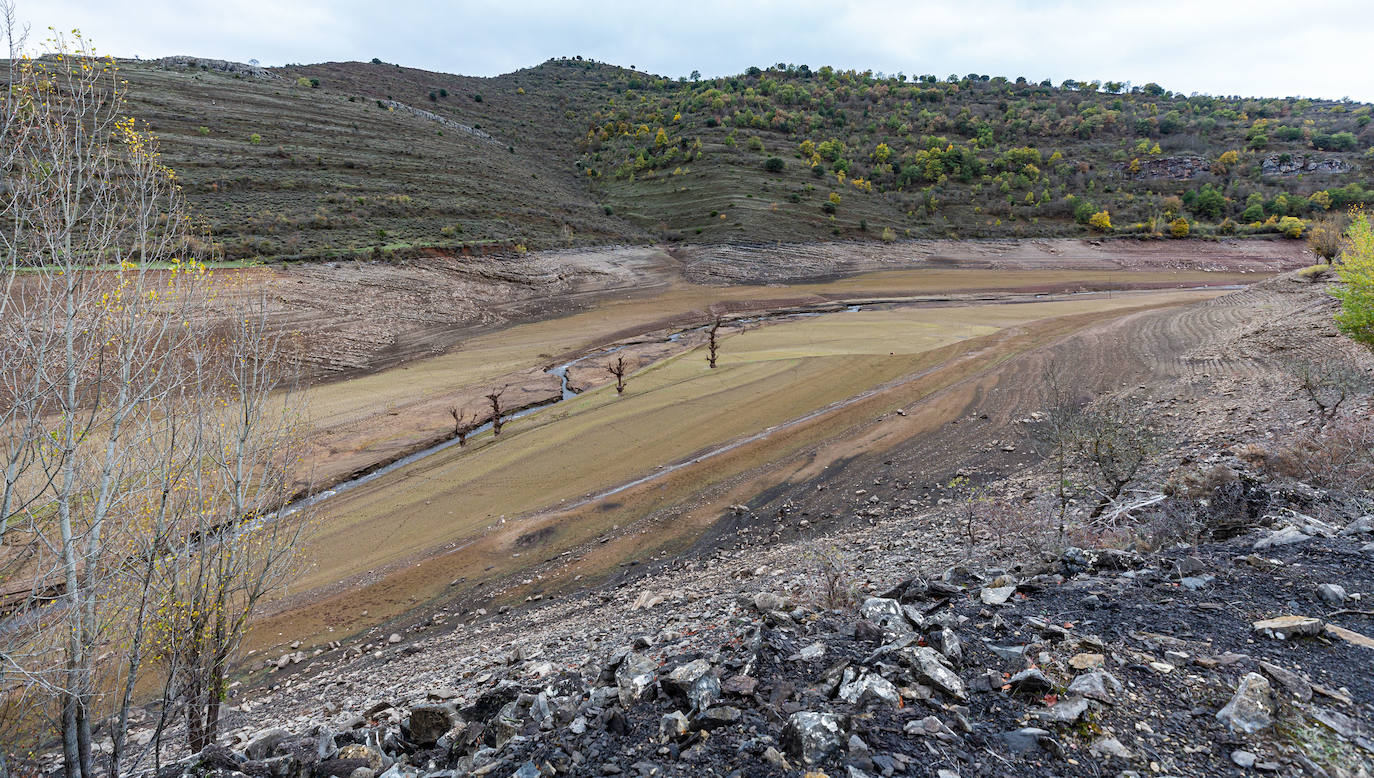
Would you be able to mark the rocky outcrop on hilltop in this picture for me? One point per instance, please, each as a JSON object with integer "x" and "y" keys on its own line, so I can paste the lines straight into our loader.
{"x": 182, "y": 61}
{"x": 1179, "y": 168}
{"x": 1295, "y": 164}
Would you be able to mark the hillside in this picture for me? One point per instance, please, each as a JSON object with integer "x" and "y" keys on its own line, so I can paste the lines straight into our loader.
{"x": 337, "y": 159}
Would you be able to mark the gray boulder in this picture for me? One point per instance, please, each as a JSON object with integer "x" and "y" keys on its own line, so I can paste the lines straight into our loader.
{"x": 429, "y": 722}
{"x": 635, "y": 676}
{"x": 887, "y": 614}
{"x": 1252, "y": 707}
{"x": 810, "y": 737}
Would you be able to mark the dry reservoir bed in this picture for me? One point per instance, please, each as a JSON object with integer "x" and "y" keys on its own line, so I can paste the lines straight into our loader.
{"x": 567, "y": 494}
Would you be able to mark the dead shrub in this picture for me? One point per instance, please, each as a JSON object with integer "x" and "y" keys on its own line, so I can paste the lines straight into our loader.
{"x": 832, "y": 585}
{"x": 1339, "y": 456}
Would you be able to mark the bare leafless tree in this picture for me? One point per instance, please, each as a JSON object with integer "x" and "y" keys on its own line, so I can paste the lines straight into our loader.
{"x": 1054, "y": 437}
{"x": 1114, "y": 443}
{"x": 497, "y": 420}
{"x": 462, "y": 424}
{"x": 1330, "y": 382}
{"x": 712, "y": 342}
{"x": 133, "y": 459}
{"x": 240, "y": 545}
{"x": 617, "y": 369}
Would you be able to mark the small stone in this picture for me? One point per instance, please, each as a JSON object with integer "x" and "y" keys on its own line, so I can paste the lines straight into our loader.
{"x": 1350, "y": 636}
{"x": 1331, "y": 594}
{"x": 1101, "y": 686}
{"x": 1110, "y": 746}
{"x": 1283, "y": 537}
{"x": 634, "y": 677}
{"x": 673, "y": 726}
{"x": 947, "y": 643}
{"x": 930, "y": 669}
{"x": 887, "y": 614}
{"x": 1024, "y": 740}
{"x": 812, "y": 652}
{"x": 1359, "y": 526}
{"x": 1163, "y": 668}
{"x": 394, "y": 638}
{"x": 1296, "y": 685}
{"x": 997, "y": 595}
{"x": 929, "y": 726}
{"x": 1195, "y": 583}
{"x": 1031, "y": 682}
{"x": 1065, "y": 711}
{"x": 1243, "y": 758}
{"x": 870, "y": 687}
{"x": 1252, "y": 707}
{"x": 1284, "y": 627}
{"x": 718, "y": 716}
{"x": 1087, "y": 661}
{"x": 810, "y": 737}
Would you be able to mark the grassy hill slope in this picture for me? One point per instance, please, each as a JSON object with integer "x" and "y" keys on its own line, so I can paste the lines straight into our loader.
{"x": 336, "y": 159}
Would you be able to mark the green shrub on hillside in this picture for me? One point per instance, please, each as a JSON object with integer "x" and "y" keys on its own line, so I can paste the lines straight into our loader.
{"x": 1356, "y": 289}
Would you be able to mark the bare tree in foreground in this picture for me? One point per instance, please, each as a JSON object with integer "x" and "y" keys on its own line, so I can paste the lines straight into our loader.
{"x": 1113, "y": 443}
{"x": 1055, "y": 437}
{"x": 712, "y": 342}
{"x": 617, "y": 369}
{"x": 494, "y": 399}
{"x": 143, "y": 451}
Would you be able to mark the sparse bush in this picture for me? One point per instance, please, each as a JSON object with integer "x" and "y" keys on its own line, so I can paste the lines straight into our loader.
{"x": 888, "y": 235}
{"x": 203, "y": 130}
{"x": 255, "y": 139}
{"x": 774, "y": 165}
{"x": 1338, "y": 456}
{"x": 1330, "y": 382}
{"x": 1179, "y": 228}
{"x": 833, "y": 585}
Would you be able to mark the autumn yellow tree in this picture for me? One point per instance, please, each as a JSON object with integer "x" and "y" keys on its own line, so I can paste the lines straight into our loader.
{"x": 105, "y": 325}
{"x": 1101, "y": 221}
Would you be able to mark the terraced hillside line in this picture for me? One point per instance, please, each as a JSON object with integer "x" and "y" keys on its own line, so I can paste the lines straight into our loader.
{"x": 424, "y": 550}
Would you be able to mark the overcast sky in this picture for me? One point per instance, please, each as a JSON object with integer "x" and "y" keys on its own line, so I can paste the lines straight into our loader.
{"x": 1315, "y": 48}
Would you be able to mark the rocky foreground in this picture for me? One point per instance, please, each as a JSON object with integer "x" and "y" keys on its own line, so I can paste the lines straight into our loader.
{"x": 1251, "y": 655}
